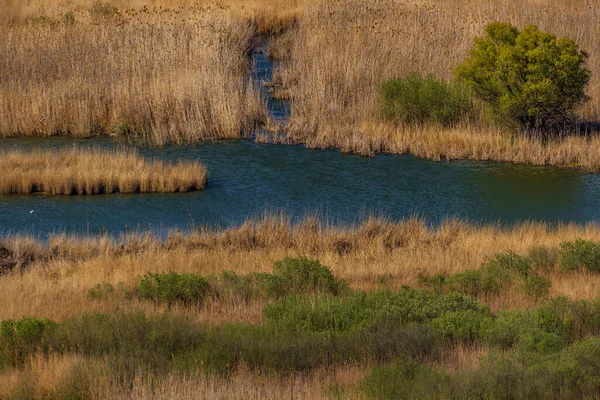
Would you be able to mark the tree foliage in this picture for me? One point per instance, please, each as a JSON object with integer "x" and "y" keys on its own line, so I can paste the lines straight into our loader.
{"x": 529, "y": 77}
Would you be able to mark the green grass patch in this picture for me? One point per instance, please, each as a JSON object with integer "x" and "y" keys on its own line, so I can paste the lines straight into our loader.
{"x": 424, "y": 99}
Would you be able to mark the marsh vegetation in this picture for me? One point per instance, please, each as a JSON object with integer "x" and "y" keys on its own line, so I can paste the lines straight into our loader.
{"x": 250, "y": 308}
{"x": 94, "y": 171}
{"x": 271, "y": 308}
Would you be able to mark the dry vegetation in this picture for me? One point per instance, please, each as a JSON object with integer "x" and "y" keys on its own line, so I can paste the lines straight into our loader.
{"x": 376, "y": 254}
{"x": 163, "y": 75}
{"x": 53, "y": 280}
{"x": 94, "y": 171}
{"x": 177, "y": 71}
{"x": 341, "y": 52}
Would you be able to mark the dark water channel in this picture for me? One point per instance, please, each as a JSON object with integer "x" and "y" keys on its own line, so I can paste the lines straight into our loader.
{"x": 246, "y": 178}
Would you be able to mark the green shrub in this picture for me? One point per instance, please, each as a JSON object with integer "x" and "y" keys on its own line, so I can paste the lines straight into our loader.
{"x": 406, "y": 379}
{"x": 572, "y": 373}
{"x": 418, "y": 99}
{"x": 539, "y": 330}
{"x": 360, "y": 311}
{"x": 502, "y": 271}
{"x": 69, "y": 18}
{"x": 301, "y": 275}
{"x": 463, "y": 326}
{"x": 536, "y": 286}
{"x": 580, "y": 255}
{"x": 527, "y": 76}
{"x": 290, "y": 276}
{"x": 543, "y": 259}
{"x": 19, "y": 338}
{"x": 471, "y": 282}
{"x": 242, "y": 287}
{"x": 101, "y": 291}
{"x": 173, "y": 287}
{"x": 510, "y": 262}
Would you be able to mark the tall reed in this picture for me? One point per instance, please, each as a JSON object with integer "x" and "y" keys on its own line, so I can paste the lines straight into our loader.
{"x": 162, "y": 75}
{"x": 94, "y": 171}
{"x": 341, "y": 51}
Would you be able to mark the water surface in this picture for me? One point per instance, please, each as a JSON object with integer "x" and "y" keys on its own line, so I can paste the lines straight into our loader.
{"x": 246, "y": 178}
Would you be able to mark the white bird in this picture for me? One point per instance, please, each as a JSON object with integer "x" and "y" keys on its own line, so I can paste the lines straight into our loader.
{"x": 31, "y": 212}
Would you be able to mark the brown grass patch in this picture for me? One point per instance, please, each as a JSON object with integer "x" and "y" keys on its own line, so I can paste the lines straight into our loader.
{"x": 54, "y": 280}
{"x": 160, "y": 75}
{"x": 342, "y": 51}
{"x": 94, "y": 171}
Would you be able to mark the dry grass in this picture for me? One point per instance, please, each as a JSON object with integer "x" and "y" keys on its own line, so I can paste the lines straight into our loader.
{"x": 243, "y": 383}
{"x": 94, "y": 171}
{"x": 43, "y": 378}
{"x": 156, "y": 74}
{"x": 56, "y": 279}
{"x": 40, "y": 377}
{"x": 341, "y": 52}
{"x": 51, "y": 280}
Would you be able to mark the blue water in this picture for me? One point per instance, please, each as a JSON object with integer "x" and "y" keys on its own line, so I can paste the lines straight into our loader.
{"x": 247, "y": 178}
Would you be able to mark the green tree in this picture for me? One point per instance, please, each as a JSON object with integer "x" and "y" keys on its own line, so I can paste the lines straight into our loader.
{"x": 529, "y": 76}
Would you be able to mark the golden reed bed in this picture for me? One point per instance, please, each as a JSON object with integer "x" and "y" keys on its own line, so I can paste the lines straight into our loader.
{"x": 177, "y": 71}
{"x": 159, "y": 76}
{"x": 94, "y": 171}
{"x": 52, "y": 280}
{"x": 55, "y": 277}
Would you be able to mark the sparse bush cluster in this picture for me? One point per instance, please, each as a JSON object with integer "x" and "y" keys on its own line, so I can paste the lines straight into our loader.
{"x": 313, "y": 320}
{"x": 417, "y": 99}
{"x": 527, "y": 78}
{"x": 290, "y": 276}
{"x": 501, "y": 272}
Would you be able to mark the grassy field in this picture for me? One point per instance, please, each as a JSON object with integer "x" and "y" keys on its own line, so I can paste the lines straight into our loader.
{"x": 91, "y": 286}
{"x": 271, "y": 309}
{"x": 94, "y": 171}
{"x": 177, "y": 71}
{"x": 156, "y": 75}
{"x": 340, "y": 52}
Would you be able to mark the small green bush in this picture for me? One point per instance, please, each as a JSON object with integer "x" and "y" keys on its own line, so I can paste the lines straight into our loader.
{"x": 502, "y": 271}
{"x": 536, "y": 286}
{"x": 418, "y": 99}
{"x": 101, "y": 291}
{"x": 69, "y": 18}
{"x": 510, "y": 262}
{"x": 290, "y": 276}
{"x": 539, "y": 330}
{"x": 173, "y": 287}
{"x": 543, "y": 259}
{"x": 529, "y": 76}
{"x": 463, "y": 326}
{"x": 580, "y": 255}
{"x": 360, "y": 311}
{"x": 406, "y": 379}
{"x": 19, "y": 338}
{"x": 302, "y": 275}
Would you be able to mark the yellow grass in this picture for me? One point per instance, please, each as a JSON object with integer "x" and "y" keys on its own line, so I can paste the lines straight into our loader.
{"x": 342, "y": 51}
{"x": 41, "y": 376}
{"x": 94, "y": 171}
{"x": 45, "y": 377}
{"x": 56, "y": 283}
{"x": 160, "y": 75}
{"x": 51, "y": 280}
